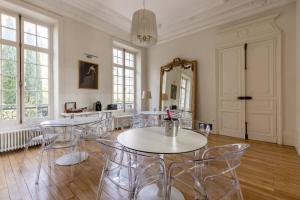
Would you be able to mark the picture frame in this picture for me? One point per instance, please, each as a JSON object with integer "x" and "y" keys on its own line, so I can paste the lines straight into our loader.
{"x": 173, "y": 91}
{"x": 88, "y": 75}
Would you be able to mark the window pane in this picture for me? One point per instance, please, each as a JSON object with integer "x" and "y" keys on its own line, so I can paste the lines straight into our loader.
{"x": 115, "y": 52}
{"x": 29, "y": 28}
{"x": 127, "y": 73}
{"x": 9, "y": 52}
{"x": 9, "y": 83}
{"x": 44, "y": 84}
{"x": 42, "y": 72}
{"x": 126, "y": 81}
{"x": 42, "y": 111}
{"x": 9, "y": 97}
{"x": 8, "y": 112}
{"x": 120, "y": 71}
{"x": 42, "y": 98}
{"x": 131, "y": 64}
{"x": 30, "y": 98}
{"x": 42, "y": 42}
{"x": 30, "y": 56}
{"x": 30, "y": 39}
{"x": 120, "y": 80}
{"x": 30, "y": 70}
{"x": 115, "y": 71}
{"x": 42, "y": 58}
{"x": 9, "y": 68}
{"x": 8, "y": 21}
{"x": 30, "y": 112}
{"x": 127, "y": 63}
{"x": 115, "y": 60}
{"x": 120, "y": 88}
{"x": 30, "y": 83}
{"x": 120, "y": 54}
{"x": 42, "y": 31}
{"x": 9, "y": 34}
{"x": 115, "y": 80}
{"x": 120, "y": 61}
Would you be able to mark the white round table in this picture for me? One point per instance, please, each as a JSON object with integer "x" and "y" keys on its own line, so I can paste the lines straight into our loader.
{"x": 75, "y": 157}
{"x": 153, "y": 140}
{"x": 153, "y": 112}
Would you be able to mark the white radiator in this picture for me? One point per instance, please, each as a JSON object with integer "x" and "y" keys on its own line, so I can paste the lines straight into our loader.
{"x": 12, "y": 140}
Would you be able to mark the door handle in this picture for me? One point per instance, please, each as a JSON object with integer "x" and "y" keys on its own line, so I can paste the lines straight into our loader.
{"x": 244, "y": 98}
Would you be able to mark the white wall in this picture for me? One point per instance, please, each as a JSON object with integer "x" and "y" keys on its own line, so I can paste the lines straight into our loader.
{"x": 201, "y": 47}
{"x": 78, "y": 39}
{"x": 297, "y": 75}
{"x": 73, "y": 39}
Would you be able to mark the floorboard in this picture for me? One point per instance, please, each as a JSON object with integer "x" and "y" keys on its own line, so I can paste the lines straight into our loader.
{"x": 268, "y": 171}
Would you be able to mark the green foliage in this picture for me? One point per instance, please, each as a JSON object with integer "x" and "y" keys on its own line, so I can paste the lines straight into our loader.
{"x": 36, "y": 88}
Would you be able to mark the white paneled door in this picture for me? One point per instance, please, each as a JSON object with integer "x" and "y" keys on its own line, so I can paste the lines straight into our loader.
{"x": 247, "y": 91}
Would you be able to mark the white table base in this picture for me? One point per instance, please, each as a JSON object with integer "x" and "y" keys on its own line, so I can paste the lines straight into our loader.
{"x": 151, "y": 192}
{"x": 72, "y": 158}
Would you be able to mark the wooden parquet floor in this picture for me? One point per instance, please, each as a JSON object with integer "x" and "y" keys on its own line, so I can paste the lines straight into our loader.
{"x": 268, "y": 172}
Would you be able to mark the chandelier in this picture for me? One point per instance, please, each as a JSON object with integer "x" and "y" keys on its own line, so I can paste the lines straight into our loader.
{"x": 143, "y": 27}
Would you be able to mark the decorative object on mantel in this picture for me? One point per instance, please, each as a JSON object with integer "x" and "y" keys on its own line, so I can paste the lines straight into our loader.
{"x": 143, "y": 27}
{"x": 70, "y": 107}
{"x": 88, "y": 75}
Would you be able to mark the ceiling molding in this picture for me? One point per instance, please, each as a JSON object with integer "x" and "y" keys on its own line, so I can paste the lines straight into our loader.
{"x": 96, "y": 14}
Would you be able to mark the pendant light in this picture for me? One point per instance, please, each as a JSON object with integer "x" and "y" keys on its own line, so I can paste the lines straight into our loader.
{"x": 143, "y": 27}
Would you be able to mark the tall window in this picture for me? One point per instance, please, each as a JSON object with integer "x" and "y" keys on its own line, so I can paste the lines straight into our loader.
{"x": 36, "y": 68}
{"x": 183, "y": 88}
{"x": 8, "y": 67}
{"x": 124, "y": 78}
{"x": 24, "y": 60}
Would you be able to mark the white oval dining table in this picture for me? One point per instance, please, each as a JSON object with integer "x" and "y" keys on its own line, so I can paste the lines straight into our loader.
{"x": 74, "y": 157}
{"x": 152, "y": 140}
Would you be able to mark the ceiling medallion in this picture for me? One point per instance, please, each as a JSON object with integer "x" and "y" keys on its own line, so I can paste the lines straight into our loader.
{"x": 143, "y": 27}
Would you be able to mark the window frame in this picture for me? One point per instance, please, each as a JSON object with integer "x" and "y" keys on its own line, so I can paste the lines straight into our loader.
{"x": 16, "y": 121}
{"x": 20, "y": 83}
{"x": 124, "y": 67}
{"x": 49, "y": 51}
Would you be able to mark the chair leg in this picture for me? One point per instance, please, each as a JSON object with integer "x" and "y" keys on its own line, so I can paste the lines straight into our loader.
{"x": 240, "y": 194}
{"x": 49, "y": 159}
{"x": 25, "y": 152}
{"x": 100, "y": 187}
{"x": 72, "y": 167}
{"x": 121, "y": 161}
{"x": 39, "y": 166}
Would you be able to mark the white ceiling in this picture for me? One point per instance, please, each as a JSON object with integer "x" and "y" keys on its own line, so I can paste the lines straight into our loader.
{"x": 175, "y": 18}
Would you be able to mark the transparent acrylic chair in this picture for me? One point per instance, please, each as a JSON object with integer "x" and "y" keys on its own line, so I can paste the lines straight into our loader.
{"x": 213, "y": 176}
{"x": 96, "y": 130}
{"x": 61, "y": 141}
{"x": 136, "y": 176}
{"x": 35, "y": 136}
{"x": 136, "y": 121}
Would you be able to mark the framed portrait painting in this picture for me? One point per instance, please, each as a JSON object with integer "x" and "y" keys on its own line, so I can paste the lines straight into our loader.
{"x": 88, "y": 75}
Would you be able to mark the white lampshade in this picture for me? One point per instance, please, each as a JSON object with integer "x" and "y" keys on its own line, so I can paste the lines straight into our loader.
{"x": 144, "y": 28}
{"x": 146, "y": 94}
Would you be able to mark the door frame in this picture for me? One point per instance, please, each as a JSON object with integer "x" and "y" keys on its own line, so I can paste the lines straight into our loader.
{"x": 250, "y": 32}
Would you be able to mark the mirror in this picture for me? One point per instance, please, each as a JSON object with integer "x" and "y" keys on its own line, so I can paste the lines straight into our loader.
{"x": 178, "y": 87}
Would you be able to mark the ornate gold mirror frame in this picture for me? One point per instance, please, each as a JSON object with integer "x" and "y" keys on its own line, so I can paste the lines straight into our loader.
{"x": 184, "y": 64}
